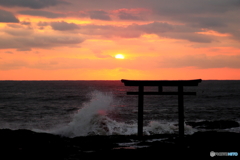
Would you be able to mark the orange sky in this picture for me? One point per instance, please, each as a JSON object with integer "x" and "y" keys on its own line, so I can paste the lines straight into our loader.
{"x": 78, "y": 40}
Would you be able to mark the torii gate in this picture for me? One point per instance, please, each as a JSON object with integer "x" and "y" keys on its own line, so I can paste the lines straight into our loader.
{"x": 160, "y": 84}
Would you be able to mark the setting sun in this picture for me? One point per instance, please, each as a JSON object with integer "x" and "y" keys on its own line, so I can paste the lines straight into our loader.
{"x": 119, "y": 56}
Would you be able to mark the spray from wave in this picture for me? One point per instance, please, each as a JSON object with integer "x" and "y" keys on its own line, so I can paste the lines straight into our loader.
{"x": 93, "y": 119}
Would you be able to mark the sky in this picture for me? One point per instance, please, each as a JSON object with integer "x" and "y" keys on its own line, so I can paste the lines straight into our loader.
{"x": 160, "y": 39}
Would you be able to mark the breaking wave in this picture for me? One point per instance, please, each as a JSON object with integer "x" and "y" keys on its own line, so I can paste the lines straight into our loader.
{"x": 93, "y": 119}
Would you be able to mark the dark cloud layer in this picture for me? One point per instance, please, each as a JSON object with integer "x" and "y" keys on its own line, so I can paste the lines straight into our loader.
{"x": 188, "y": 7}
{"x": 7, "y": 17}
{"x": 128, "y": 16}
{"x": 218, "y": 15}
{"x": 168, "y": 19}
{"x": 39, "y": 41}
{"x": 64, "y": 26}
{"x": 101, "y": 15}
{"x": 41, "y": 13}
{"x": 35, "y": 4}
{"x": 164, "y": 7}
{"x": 161, "y": 29}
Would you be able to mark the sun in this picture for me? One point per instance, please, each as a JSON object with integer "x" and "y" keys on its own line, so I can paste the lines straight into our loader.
{"x": 119, "y": 56}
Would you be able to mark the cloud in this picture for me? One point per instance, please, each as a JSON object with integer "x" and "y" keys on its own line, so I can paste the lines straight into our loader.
{"x": 201, "y": 61}
{"x": 64, "y": 26}
{"x": 42, "y": 24}
{"x": 155, "y": 27}
{"x": 41, "y": 13}
{"x": 128, "y": 16}
{"x": 125, "y": 14}
{"x": 218, "y": 15}
{"x": 18, "y": 31}
{"x": 100, "y": 15}
{"x": 13, "y": 64}
{"x": 167, "y": 30}
{"x": 53, "y": 40}
{"x": 167, "y": 19}
{"x": 163, "y": 7}
{"x": 26, "y": 23}
{"x": 59, "y": 26}
{"x": 34, "y": 4}
{"x": 15, "y": 25}
{"x": 7, "y": 17}
{"x": 134, "y": 14}
{"x": 108, "y": 31}
{"x": 99, "y": 54}
{"x": 191, "y": 36}
{"x": 161, "y": 29}
{"x": 39, "y": 41}
{"x": 193, "y": 7}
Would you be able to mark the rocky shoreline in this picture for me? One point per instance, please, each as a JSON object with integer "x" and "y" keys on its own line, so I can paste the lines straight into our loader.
{"x": 32, "y": 145}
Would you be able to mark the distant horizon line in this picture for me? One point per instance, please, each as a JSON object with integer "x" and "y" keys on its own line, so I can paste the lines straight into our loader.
{"x": 130, "y": 79}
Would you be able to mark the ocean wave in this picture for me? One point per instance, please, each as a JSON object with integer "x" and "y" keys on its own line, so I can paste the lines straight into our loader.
{"x": 93, "y": 119}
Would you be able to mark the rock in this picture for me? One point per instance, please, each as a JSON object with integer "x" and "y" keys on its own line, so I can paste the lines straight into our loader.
{"x": 221, "y": 124}
{"x": 25, "y": 144}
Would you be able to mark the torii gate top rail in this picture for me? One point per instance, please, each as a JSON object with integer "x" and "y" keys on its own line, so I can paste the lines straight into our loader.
{"x": 160, "y": 84}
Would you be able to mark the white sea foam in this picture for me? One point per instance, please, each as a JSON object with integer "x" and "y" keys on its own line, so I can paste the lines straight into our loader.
{"x": 156, "y": 127}
{"x": 92, "y": 119}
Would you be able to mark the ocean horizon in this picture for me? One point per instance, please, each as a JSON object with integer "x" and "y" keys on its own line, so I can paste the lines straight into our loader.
{"x": 51, "y": 105}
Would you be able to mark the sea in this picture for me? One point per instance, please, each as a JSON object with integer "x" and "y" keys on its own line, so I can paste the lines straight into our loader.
{"x": 84, "y": 108}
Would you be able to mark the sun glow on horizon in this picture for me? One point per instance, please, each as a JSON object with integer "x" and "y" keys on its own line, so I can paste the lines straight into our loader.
{"x": 119, "y": 56}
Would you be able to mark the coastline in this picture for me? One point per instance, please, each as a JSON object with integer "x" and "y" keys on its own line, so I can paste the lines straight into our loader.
{"x": 32, "y": 145}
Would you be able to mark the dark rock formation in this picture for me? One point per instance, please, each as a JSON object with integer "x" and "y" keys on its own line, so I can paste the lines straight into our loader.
{"x": 221, "y": 124}
{"x": 25, "y": 144}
